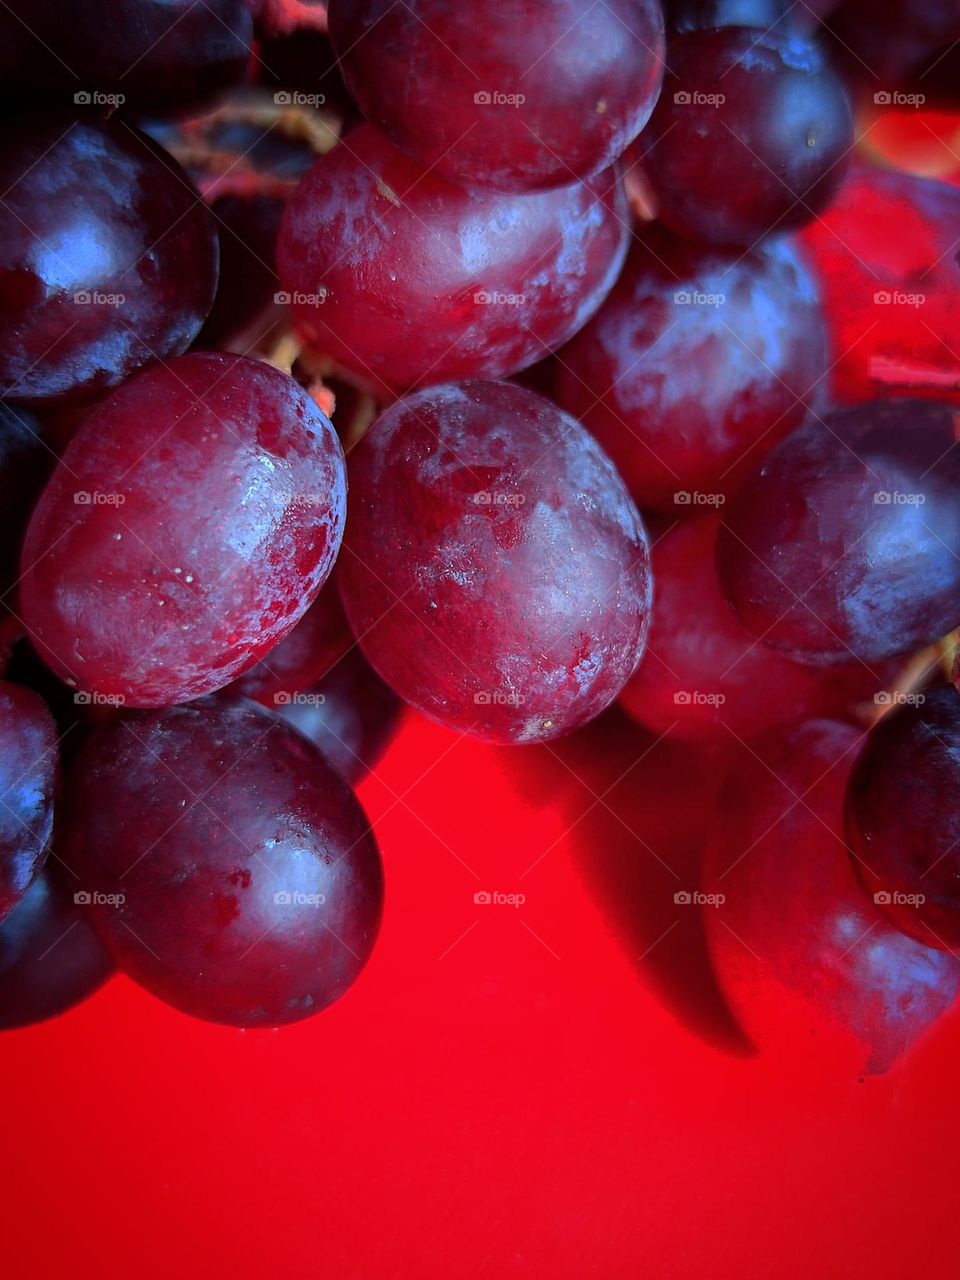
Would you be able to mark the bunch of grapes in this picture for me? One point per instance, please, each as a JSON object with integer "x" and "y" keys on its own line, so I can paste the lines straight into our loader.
{"x": 526, "y": 364}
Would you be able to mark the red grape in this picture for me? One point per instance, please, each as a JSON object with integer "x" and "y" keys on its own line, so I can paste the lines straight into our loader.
{"x": 404, "y": 279}
{"x": 28, "y": 777}
{"x": 846, "y": 542}
{"x": 902, "y": 818}
{"x": 697, "y": 363}
{"x": 494, "y": 568}
{"x": 504, "y": 93}
{"x": 749, "y": 136}
{"x": 193, "y": 519}
{"x": 232, "y": 870}
{"x": 108, "y": 257}
{"x": 797, "y": 945}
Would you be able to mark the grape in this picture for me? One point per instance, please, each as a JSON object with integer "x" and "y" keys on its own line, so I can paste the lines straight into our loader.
{"x": 50, "y": 956}
{"x": 749, "y": 136}
{"x": 28, "y": 778}
{"x": 350, "y": 714}
{"x": 192, "y": 521}
{"x": 494, "y": 567}
{"x": 320, "y": 638}
{"x": 902, "y": 818}
{"x": 846, "y": 542}
{"x": 705, "y": 676}
{"x": 404, "y": 279}
{"x": 25, "y": 463}
{"x": 797, "y": 945}
{"x": 885, "y": 253}
{"x": 149, "y": 50}
{"x": 697, "y": 363}
{"x": 108, "y": 257}
{"x": 503, "y": 93}
{"x": 232, "y": 870}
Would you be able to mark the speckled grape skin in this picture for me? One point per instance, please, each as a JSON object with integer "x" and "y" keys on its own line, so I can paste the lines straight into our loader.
{"x": 399, "y": 257}
{"x": 29, "y": 761}
{"x": 199, "y": 816}
{"x": 94, "y": 208}
{"x": 707, "y": 678}
{"x": 687, "y": 394}
{"x": 495, "y": 568}
{"x": 797, "y": 945}
{"x": 816, "y": 566}
{"x": 589, "y": 75}
{"x": 233, "y": 493}
{"x": 903, "y": 823}
{"x": 769, "y": 156}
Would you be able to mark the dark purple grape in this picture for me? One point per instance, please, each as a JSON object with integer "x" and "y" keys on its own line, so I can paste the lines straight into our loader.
{"x": 903, "y": 821}
{"x": 29, "y": 764}
{"x": 697, "y": 363}
{"x": 504, "y": 93}
{"x": 350, "y": 714}
{"x": 25, "y": 464}
{"x": 749, "y": 136}
{"x": 108, "y": 257}
{"x": 136, "y": 51}
{"x": 495, "y": 569}
{"x": 846, "y": 542}
{"x": 231, "y": 870}
{"x": 50, "y": 955}
{"x": 403, "y": 278}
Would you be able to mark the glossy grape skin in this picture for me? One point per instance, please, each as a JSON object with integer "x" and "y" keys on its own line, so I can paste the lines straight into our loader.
{"x": 798, "y": 947}
{"x": 885, "y": 255}
{"x": 588, "y": 74}
{"x": 707, "y": 678}
{"x": 28, "y": 779}
{"x": 320, "y": 638}
{"x": 25, "y": 464}
{"x": 50, "y": 956}
{"x": 199, "y": 816}
{"x": 903, "y": 825}
{"x": 687, "y": 395}
{"x": 494, "y": 568}
{"x": 402, "y": 261}
{"x": 233, "y": 493}
{"x": 846, "y": 542}
{"x": 768, "y": 157}
{"x": 94, "y": 210}
{"x": 145, "y": 50}
{"x": 350, "y": 714}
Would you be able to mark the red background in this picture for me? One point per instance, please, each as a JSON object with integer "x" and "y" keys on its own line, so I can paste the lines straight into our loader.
{"x": 548, "y": 1090}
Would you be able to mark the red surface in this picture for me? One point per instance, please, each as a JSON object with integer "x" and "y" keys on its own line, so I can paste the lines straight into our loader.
{"x": 507, "y": 1091}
